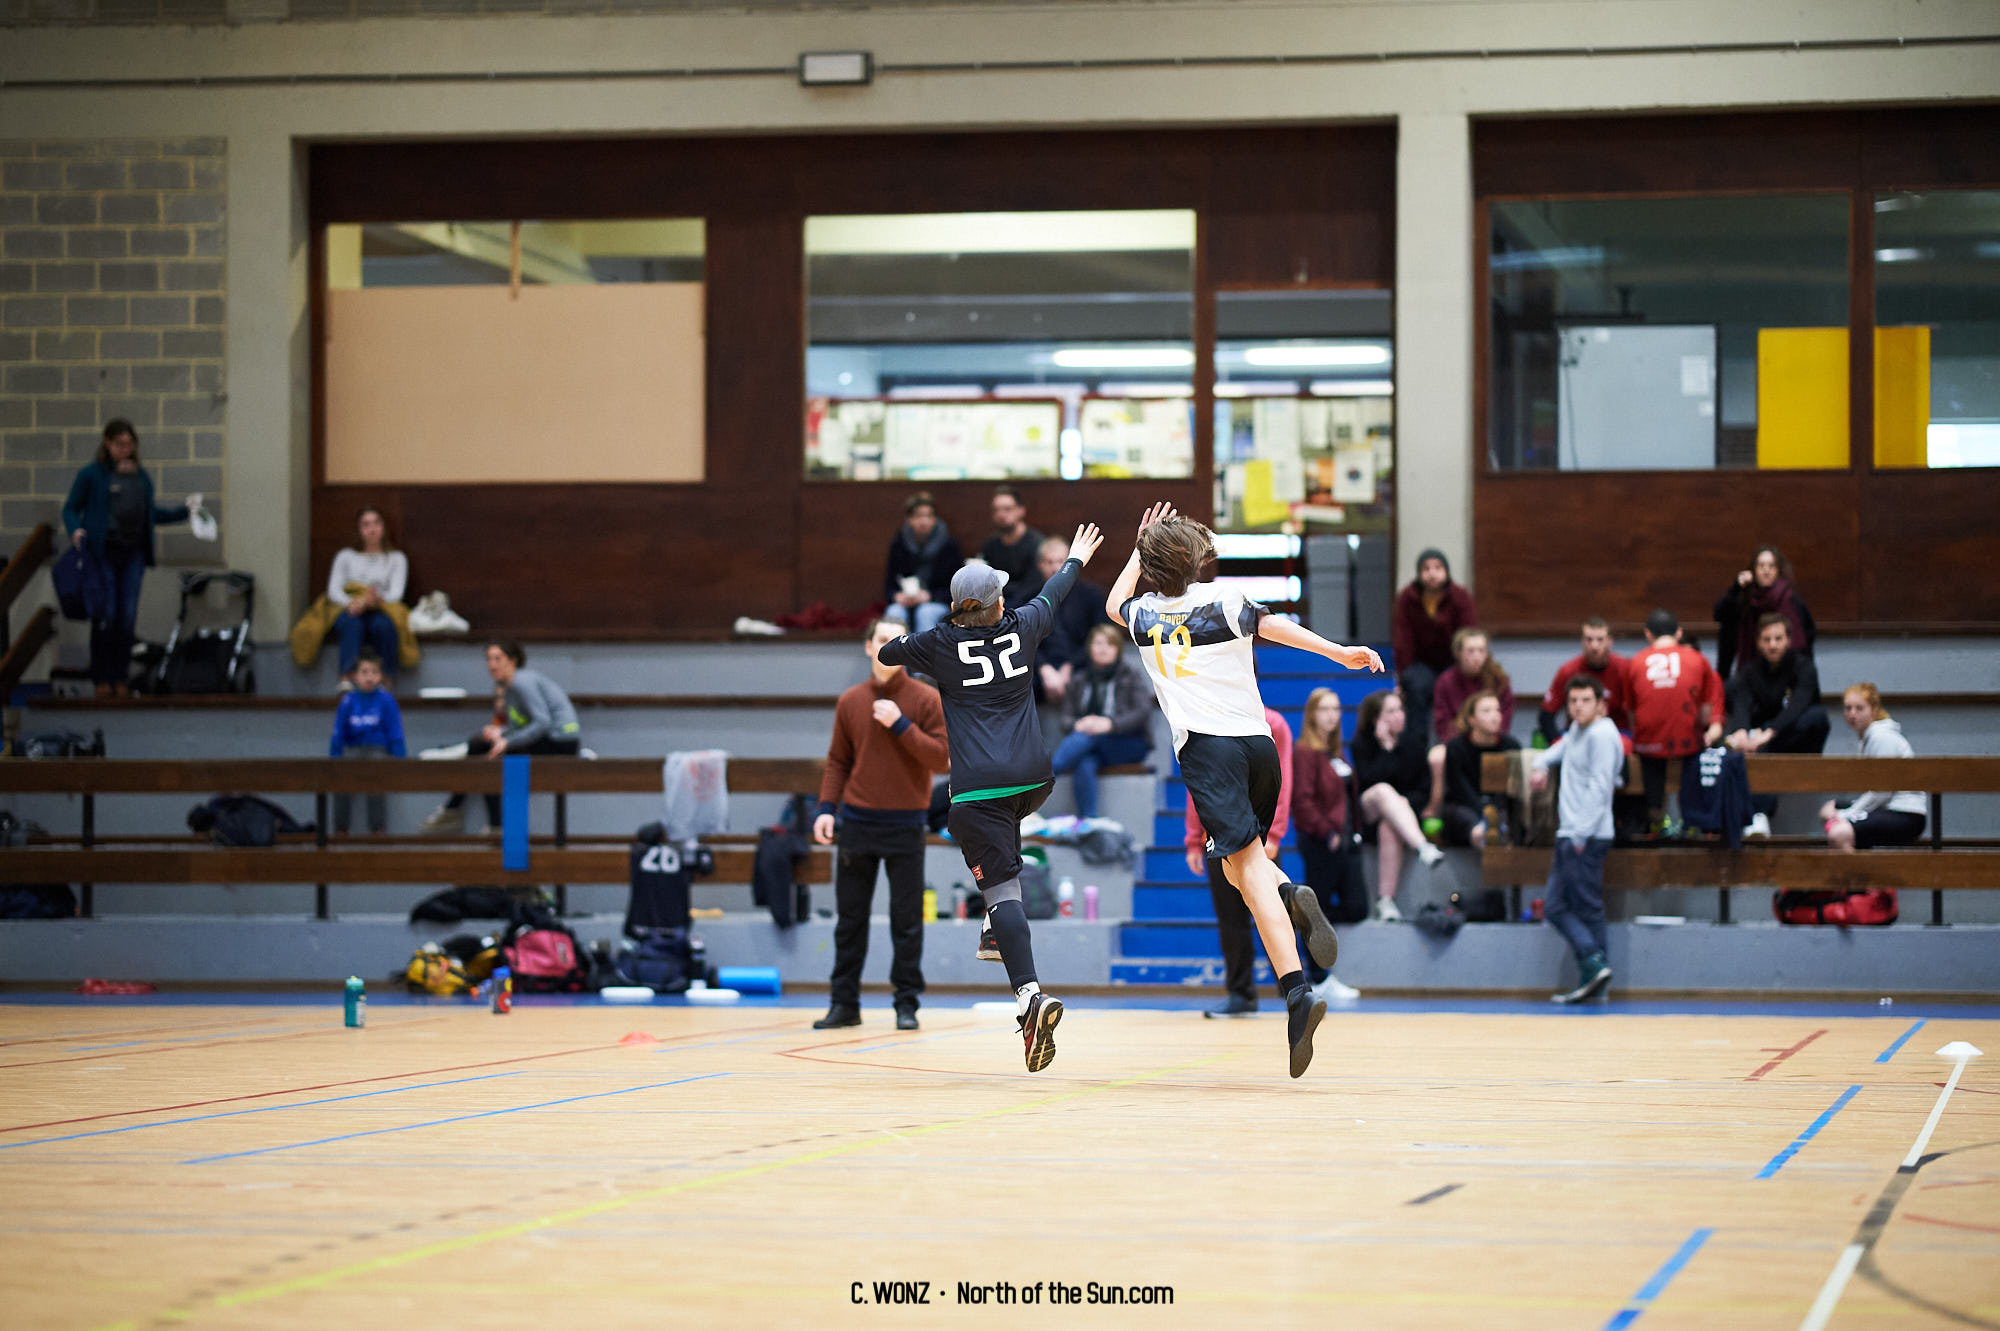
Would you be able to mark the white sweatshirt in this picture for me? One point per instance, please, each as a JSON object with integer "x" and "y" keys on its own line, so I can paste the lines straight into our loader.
{"x": 386, "y": 573}
{"x": 1884, "y": 739}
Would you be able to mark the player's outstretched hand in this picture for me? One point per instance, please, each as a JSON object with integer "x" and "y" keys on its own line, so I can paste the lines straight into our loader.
{"x": 1088, "y": 538}
{"x": 1360, "y": 658}
{"x": 1159, "y": 512}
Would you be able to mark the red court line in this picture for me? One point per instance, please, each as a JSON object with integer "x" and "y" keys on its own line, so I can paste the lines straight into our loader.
{"x": 363, "y": 1081}
{"x": 135, "y": 1030}
{"x": 1952, "y": 1224}
{"x": 206, "y": 1044}
{"x": 1783, "y": 1054}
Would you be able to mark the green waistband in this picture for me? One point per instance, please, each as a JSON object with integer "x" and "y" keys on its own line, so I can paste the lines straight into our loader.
{"x": 996, "y": 792}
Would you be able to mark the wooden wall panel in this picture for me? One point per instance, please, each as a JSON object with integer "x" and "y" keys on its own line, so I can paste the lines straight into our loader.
{"x": 1928, "y": 547}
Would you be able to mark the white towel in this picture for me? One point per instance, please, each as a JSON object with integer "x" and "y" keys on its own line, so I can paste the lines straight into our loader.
{"x": 695, "y": 787}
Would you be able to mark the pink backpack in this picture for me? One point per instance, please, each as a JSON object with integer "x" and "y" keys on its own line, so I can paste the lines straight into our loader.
{"x": 547, "y": 961}
{"x": 1875, "y": 905}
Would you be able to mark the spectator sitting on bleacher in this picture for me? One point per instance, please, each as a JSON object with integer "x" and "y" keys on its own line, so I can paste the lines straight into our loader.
{"x": 1597, "y": 659}
{"x": 1456, "y": 799}
{"x": 1066, "y": 649}
{"x": 538, "y": 719}
{"x": 1765, "y": 588}
{"x": 1774, "y": 707}
{"x": 1107, "y": 715}
{"x": 1394, "y": 778}
{"x": 1429, "y": 613}
{"x": 922, "y": 557}
{"x": 1320, "y": 803}
{"x": 367, "y": 724}
{"x": 1014, "y": 547}
{"x": 365, "y": 580}
{"x": 1473, "y": 671}
{"x": 1677, "y": 703}
{"x": 1875, "y": 817}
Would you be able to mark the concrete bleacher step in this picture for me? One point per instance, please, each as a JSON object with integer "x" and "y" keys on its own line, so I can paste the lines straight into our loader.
{"x": 1168, "y": 864}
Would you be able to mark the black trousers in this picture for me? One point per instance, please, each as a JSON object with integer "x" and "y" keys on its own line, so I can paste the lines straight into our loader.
{"x": 476, "y": 745}
{"x": 1238, "y": 931}
{"x": 1336, "y": 878}
{"x": 864, "y": 848}
{"x": 1807, "y": 735}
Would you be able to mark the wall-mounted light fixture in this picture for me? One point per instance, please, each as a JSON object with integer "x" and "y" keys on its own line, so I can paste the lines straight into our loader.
{"x": 818, "y": 69}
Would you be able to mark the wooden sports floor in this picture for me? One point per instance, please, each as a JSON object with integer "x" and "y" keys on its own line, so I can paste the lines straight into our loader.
{"x": 259, "y": 1166}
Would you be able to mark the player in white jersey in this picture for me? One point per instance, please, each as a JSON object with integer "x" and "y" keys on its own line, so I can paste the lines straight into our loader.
{"x": 1196, "y": 639}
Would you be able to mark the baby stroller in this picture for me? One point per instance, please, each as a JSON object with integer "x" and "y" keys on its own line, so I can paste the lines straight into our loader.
{"x": 209, "y": 659}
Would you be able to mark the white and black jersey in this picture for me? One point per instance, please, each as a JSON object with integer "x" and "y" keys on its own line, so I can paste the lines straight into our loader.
{"x": 1197, "y": 647}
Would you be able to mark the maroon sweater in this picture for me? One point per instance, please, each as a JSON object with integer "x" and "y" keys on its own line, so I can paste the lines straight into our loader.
{"x": 1420, "y": 636}
{"x": 885, "y": 769}
{"x": 1319, "y": 794}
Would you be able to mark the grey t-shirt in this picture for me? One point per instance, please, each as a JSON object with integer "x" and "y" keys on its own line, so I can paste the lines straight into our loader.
{"x": 537, "y": 709}
{"x": 1593, "y": 763}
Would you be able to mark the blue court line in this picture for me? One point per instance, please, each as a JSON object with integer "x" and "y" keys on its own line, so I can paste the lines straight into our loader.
{"x": 1901, "y": 1040}
{"x": 440, "y": 1122}
{"x": 1778, "y": 1161}
{"x": 261, "y": 1109}
{"x": 1636, "y": 1306}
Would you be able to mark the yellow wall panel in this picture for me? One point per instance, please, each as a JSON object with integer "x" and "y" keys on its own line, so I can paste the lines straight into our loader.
{"x": 1902, "y": 396}
{"x": 1801, "y": 397}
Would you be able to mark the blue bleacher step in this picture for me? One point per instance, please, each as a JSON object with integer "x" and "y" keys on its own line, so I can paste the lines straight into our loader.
{"x": 1171, "y": 901}
{"x": 1173, "y": 796}
{"x": 1173, "y": 938}
{"x": 1204, "y": 972}
{"x": 1168, "y": 864}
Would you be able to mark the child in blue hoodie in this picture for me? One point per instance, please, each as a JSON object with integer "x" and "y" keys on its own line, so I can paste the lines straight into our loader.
{"x": 368, "y": 725}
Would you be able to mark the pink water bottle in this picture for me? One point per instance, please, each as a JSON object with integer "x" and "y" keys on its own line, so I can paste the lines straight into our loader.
{"x": 1090, "y": 901}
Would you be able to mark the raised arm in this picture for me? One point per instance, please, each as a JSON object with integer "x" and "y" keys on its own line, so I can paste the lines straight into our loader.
{"x": 1278, "y": 629}
{"x": 1128, "y": 577}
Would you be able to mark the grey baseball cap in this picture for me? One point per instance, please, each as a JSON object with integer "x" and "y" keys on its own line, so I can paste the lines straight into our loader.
{"x": 978, "y": 583}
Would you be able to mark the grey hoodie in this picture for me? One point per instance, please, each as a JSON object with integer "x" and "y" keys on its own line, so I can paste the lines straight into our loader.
{"x": 537, "y": 709}
{"x": 1884, "y": 739}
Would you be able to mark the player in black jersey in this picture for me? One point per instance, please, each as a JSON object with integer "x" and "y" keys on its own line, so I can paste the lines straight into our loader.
{"x": 983, "y": 659}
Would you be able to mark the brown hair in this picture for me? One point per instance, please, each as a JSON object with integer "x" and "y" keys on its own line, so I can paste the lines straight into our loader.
{"x": 1765, "y": 621}
{"x": 512, "y": 650}
{"x": 1492, "y": 678}
{"x": 1310, "y": 734}
{"x": 1173, "y": 553}
{"x": 1470, "y": 705}
{"x": 1371, "y": 711}
{"x": 1872, "y": 694}
{"x": 869, "y": 632}
{"x": 1108, "y": 631}
{"x": 1596, "y": 622}
{"x": 921, "y": 499}
{"x": 1582, "y": 680}
{"x": 1784, "y": 564}
{"x": 388, "y": 546}
{"x": 114, "y": 428}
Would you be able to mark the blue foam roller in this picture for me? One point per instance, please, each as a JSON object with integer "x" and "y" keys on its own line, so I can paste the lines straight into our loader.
{"x": 749, "y": 979}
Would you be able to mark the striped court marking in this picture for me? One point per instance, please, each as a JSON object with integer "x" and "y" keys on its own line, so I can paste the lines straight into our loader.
{"x": 1637, "y": 1305}
{"x": 261, "y": 1109}
{"x": 456, "y": 1118}
{"x": 1782, "y": 1055}
{"x": 302, "y": 1284}
{"x": 1777, "y": 1162}
{"x": 1901, "y": 1040}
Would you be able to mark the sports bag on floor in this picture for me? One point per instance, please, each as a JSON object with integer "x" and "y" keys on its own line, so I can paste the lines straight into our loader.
{"x": 1875, "y": 905}
{"x": 546, "y": 958}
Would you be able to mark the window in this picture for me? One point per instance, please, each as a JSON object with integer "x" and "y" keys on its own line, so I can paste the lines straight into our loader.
{"x": 531, "y": 352}
{"x": 1937, "y": 329}
{"x": 999, "y": 345}
{"x": 1668, "y": 333}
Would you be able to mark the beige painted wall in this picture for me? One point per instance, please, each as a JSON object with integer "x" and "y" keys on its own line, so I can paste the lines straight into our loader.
{"x": 1433, "y": 97}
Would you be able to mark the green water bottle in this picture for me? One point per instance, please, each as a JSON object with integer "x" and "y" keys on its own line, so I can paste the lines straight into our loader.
{"x": 357, "y": 1002}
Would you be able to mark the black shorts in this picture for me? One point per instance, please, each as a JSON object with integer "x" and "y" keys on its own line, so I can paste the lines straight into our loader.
{"x": 1234, "y": 782}
{"x": 988, "y": 833}
{"x": 1888, "y": 827}
{"x": 1459, "y": 820}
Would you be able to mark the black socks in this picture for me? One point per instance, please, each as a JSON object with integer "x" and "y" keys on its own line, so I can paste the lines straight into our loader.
{"x": 1017, "y": 953}
{"x": 1293, "y": 983}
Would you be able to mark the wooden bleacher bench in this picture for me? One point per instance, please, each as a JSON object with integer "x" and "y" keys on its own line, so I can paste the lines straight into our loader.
{"x": 1804, "y": 864}
{"x": 560, "y": 859}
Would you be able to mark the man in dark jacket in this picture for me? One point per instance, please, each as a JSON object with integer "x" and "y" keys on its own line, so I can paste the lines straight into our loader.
{"x": 1774, "y": 707}
{"x": 1428, "y": 612}
{"x": 1063, "y": 652}
{"x": 922, "y": 557}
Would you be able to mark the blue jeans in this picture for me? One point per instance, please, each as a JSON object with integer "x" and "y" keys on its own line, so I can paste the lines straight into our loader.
{"x": 1084, "y": 754}
{"x": 111, "y": 637}
{"x": 376, "y": 629}
{"x": 929, "y": 614}
{"x": 1573, "y": 900}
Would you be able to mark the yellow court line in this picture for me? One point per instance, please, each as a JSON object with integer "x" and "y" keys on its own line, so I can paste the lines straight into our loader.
{"x": 520, "y": 1227}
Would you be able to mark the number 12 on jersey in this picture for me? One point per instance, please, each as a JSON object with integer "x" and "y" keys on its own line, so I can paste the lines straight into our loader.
{"x": 1181, "y": 638}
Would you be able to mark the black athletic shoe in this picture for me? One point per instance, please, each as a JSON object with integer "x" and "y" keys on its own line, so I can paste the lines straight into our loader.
{"x": 1038, "y": 1030}
{"x": 906, "y": 1019}
{"x": 1303, "y": 903}
{"x": 989, "y": 946}
{"x": 1302, "y": 1018}
{"x": 838, "y": 1016}
{"x": 1232, "y": 1006}
{"x": 1596, "y": 978}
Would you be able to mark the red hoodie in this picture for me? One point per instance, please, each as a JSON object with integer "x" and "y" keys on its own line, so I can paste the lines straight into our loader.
{"x": 1418, "y": 635}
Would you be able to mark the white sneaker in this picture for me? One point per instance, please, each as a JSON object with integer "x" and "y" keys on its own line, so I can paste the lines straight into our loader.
{"x": 1331, "y": 990}
{"x": 1430, "y": 856}
{"x": 1386, "y": 912}
{"x": 449, "y": 753}
{"x": 1759, "y": 826}
{"x": 444, "y": 820}
{"x": 746, "y": 627}
{"x": 433, "y": 614}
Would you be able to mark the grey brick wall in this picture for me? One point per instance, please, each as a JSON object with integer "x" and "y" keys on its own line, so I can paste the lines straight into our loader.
{"x": 111, "y": 304}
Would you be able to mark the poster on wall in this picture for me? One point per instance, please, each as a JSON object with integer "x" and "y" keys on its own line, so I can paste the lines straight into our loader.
{"x": 1147, "y": 436}
{"x": 871, "y": 439}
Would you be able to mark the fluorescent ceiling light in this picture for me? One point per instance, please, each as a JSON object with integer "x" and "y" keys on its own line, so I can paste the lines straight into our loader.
{"x": 819, "y": 68}
{"x": 1145, "y": 390}
{"x": 1258, "y": 388}
{"x": 1353, "y": 387}
{"x": 1900, "y": 255}
{"x": 1255, "y": 545}
{"x": 952, "y": 392}
{"x": 1123, "y": 358}
{"x": 1298, "y": 356}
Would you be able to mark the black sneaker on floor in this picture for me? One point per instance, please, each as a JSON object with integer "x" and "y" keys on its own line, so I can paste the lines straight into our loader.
{"x": 989, "y": 946}
{"x": 1594, "y": 982}
{"x": 1038, "y": 1030}
{"x": 838, "y": 1016}
{"x": 1302, "y": 1017}
{"x": 1232, "y": 1006}
{"x": 1303, "y": 903}
{"x": 906, "y": 1019}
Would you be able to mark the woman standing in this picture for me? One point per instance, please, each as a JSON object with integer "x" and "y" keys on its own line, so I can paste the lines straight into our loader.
{"x": 1765, "y": 588}
{"x": 1875, "y": 817}
{"x": 1319, "y": 812}
{"x": 1394, "y": 776}
{"x": 366, "y": 579}
{"x": 110, "y": 511}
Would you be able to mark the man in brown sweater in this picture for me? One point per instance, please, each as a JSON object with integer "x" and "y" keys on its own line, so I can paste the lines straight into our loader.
{"x": 888, "y": 739}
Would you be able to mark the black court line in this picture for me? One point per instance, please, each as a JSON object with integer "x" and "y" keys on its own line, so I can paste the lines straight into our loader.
{"x": 1877, "y": 1220}
{"x": 1434, "y": 1194}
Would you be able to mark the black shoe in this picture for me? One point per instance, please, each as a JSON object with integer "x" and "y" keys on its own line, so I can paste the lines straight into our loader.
{"x": 906, "y": 1019}
{"x": 989, "y": 946}
{"x": 1038, "y": 1030}
{"x": 1595, "y": 978}
{"x": 1233, "y": 1006}
{"x": 838, "y": 1016}
{"x": 1303, "y": 903}
{"x": 1302, "y": 1017}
